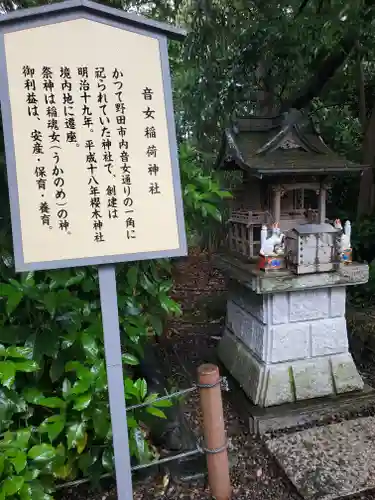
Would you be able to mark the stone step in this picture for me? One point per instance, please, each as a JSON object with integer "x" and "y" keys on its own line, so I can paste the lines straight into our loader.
{"x": 331, "y": 462}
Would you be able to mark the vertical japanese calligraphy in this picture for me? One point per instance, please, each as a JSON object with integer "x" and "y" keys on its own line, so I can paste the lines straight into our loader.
{"x": 151, "y": 150}
{"x": 91, "y": 141}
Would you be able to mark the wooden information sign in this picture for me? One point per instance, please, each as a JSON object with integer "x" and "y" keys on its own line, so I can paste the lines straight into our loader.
{"x": 91, "y": 154}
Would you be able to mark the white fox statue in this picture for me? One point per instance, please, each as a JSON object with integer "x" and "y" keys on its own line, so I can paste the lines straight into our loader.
{"x": 274, "y": 245}
{"x": 345, "y": 242}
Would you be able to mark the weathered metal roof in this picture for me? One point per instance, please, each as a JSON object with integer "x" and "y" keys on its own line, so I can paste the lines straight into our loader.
{"x": 315, "y": 228}
{"x": 280, "y": 144}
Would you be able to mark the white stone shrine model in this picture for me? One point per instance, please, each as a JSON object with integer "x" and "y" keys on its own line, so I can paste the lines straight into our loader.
{"x": 286, "y": 337}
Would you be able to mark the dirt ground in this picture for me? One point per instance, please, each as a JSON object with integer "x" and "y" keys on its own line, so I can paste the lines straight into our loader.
{"x": 189, "y": 342}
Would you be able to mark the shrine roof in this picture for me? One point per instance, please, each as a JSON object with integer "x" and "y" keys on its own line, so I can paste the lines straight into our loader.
{"x": 280, "y": 144}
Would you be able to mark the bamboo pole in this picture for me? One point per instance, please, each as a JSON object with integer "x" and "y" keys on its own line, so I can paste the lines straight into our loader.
{"x": 214, "y": 431}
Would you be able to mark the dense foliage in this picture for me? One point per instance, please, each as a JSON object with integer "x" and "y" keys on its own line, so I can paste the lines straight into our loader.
{"x": 54, "y": 412}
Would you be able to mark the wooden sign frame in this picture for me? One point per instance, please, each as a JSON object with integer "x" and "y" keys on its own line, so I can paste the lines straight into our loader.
{"x": 59, "y": 13}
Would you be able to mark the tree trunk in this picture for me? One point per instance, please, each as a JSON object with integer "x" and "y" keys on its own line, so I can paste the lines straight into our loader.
{"x": 361, "y": 88}
{"x": 365, "y": 198}
{"x": 265, "y": 97}
{"x": 324, "y": 72}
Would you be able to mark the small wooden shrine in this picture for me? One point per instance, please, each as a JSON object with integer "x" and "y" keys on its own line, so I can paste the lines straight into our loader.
{"x": 286, "y": 168}
{"x": 285, "y": 338}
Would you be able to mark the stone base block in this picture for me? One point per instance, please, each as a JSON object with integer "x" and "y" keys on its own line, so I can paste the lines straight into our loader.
{"x": 290, "y": 381}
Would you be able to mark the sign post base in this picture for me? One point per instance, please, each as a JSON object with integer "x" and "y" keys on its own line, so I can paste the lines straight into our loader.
{"x": 112, "y": 345}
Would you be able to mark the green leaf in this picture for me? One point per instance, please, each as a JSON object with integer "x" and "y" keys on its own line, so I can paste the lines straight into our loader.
{"x": 7, "y": 373}
{"x": 57, "y": 367}
{"x": 28, "y": 278}
{"x": 52, "y": 402}
{"x": 31, "y": 474}
{"x": 85, "y": 461}
{"x": 14, "y": 334}
{"x": 62, "y": 471}
{"x": 53, "y": 426}
{"x": 98, "y": 369}
{"x": 46, "y": 342}
{"x": 66, "y": 387}
{"x": 75, "y": 434}
{"x": 81, "y": 443}
{"x": 50, "y": 302}
{"x": 6, "y": 289}
{"x": 28, "y": 366}
{"x": 42, "y": 452}
{"x": 155, "y": 412}
{"x": 130, "y": 388}
{"x": 131, "y": 307}
{"x": 156, "y": 324}
{"x": 168, "y": 304}
{"x": 10, "y": 403}
{"x": 2, "y": 463}
{"x": 80, "y": 386}
{"x": 148, "y": 285}
{"x": 141, "y": 386}
{"x": 75, "y": 280}
{"x": 82, "y": 401}
{"x": 33, "y": 395}
{"x": 211, "y": 210}
{"x": 25, "y": 492}
{"x": 132, "y": 423}
{"x": 165, "y": 403}
{"x": 22, "y": 438}
{"x": 18, "y": 459}
{"x": 89, "y": 345}
{"x": 138, "y": 445}
{"x": 35, "y": 491}
{"x": 12, "y": 485}
{"x": 132, "y": 276}
{"x": 78, "y": 368}
{"x": 19, "y": 352}
{"x": 101, "y": 421}
{"x": 129, "y": 359}
{"x": 13, "y": 301}
{"x": 107, "y": 460}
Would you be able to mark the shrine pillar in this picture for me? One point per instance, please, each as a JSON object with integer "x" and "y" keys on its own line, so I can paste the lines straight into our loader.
{"x": 276, "y": 203}
{"x": 322, "y": 203}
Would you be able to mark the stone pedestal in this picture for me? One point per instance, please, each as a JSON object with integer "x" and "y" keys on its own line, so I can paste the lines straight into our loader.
{"x": 286, "y": 337}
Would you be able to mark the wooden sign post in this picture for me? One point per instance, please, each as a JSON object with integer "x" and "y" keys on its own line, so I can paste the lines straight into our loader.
{"x": 91, "y": 155}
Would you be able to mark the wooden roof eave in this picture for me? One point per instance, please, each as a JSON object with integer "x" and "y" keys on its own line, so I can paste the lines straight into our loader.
{"x": 313, "y": 171}
{"x": 220, "y": 157}
{"x": 322, "y": 147}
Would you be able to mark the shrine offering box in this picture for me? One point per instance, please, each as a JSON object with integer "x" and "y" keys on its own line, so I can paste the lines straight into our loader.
{"x": 312, "y": 248}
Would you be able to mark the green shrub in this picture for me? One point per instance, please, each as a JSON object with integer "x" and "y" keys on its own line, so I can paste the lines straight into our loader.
{"x": 363, "y": 243}
{"x": 54, "y": 410}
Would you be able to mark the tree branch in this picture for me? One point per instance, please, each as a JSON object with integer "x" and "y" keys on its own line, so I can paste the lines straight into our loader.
{"x": 322, "y": 75}
{"x": 329, "y": 65}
